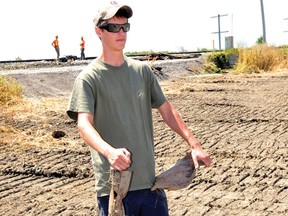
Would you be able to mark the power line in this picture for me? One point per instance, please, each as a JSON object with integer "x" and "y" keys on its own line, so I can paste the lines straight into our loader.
{"x": 219, "y": 29}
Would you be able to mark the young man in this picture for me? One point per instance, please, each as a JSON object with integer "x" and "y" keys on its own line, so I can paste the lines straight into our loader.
{"x": 55, "y": 44}
{"x": 82, "y": 48}
{"x": 112, "y": 100}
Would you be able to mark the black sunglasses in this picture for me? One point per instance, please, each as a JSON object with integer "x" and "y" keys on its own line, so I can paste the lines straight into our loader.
{"x": 112, "y": 27}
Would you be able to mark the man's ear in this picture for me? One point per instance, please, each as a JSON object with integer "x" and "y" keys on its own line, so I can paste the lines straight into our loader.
{"x": 98, "y": 32}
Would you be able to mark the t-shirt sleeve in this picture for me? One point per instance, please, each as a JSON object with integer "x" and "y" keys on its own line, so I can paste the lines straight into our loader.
{"x": 157, "y": 95}
{"x": 82, "y": 99}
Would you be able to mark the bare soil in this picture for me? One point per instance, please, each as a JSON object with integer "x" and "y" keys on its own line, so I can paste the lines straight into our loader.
{"x": 241, "y": 120}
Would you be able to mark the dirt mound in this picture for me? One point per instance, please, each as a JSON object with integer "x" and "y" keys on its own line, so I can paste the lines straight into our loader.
{"x": 241, "y": 120}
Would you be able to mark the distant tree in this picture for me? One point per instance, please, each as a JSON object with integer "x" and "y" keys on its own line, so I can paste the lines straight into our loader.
{"x": 202, "y": 49}
{"x": 18, "y": 59}
{"x": 260, "y": 40}
{"x": 182, "y": 49}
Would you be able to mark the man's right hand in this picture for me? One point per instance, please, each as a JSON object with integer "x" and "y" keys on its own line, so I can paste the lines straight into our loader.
{"x": 119, "y": 159}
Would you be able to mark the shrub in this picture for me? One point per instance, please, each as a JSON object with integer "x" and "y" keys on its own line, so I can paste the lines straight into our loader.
{"x": 210, "y": 67}
{"x": 216, "y": 61}
{"x": 220, "y": 59}
{"x": 10, "y": 90}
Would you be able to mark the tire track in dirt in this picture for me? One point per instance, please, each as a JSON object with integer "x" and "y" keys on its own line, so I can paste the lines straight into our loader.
{"x": 241, "y": 121}
{"x": 42, "y": 177}
{"x": 249, "y": 171}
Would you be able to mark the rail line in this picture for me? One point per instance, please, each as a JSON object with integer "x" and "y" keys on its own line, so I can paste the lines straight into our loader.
{"x": 160, "y": 56}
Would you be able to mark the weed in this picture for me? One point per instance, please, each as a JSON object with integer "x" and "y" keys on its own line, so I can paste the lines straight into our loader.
{"x": 151, "y": 62}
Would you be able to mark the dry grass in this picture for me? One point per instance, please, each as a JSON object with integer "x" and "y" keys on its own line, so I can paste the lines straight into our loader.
{"x": 36, "y": 111}
{"x": 259, "y": 58}
{"x": 283, "y": 64}
{"x": 10, "y": 91}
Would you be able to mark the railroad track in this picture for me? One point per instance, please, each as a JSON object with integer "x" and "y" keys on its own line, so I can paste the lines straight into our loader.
{"x": 160, "y": 56}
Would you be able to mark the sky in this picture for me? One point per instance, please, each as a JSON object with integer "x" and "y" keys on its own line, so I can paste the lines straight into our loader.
{"x": 28, "y": 27}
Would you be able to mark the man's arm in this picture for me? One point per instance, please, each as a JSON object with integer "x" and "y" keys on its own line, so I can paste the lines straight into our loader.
{"x": 175, "y": 122}
{"x": 118, "y": 158}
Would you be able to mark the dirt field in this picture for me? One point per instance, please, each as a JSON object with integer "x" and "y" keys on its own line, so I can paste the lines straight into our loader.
{"x": 241, "y": 120}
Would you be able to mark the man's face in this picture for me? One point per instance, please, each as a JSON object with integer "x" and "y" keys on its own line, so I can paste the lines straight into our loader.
{"x": 113, "y": 41}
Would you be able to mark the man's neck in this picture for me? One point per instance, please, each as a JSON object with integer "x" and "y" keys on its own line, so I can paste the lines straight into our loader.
{"x": 114, "y": 59}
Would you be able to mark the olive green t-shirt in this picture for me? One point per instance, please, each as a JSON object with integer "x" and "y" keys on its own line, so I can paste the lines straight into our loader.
{"x": 121, "y": 100}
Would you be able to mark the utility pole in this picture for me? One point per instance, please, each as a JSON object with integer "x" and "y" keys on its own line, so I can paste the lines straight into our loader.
{"x": 263, "y": 21}
{"x": 286, "y": 19}
{"x": 219, "y": 29}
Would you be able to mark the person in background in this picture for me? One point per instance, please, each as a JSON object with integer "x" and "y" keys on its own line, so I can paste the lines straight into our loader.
{"x": 82, "y": 48}
{"x": 55, "y": 44}
{"x": 112, "y": 101}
